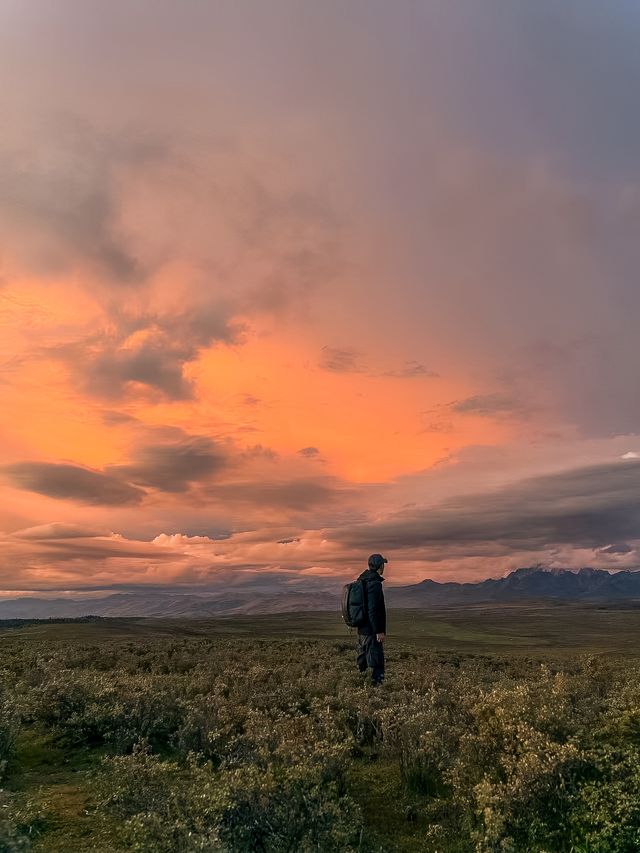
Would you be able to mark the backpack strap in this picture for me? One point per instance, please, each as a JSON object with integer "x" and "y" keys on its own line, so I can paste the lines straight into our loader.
{"x": 365, "y": 599}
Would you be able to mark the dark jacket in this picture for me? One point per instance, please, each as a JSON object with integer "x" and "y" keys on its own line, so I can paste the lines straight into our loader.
{"x": 376, "y": 609}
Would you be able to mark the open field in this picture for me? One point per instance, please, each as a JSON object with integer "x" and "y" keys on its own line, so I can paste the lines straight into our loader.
{"x": 504, "y": 728}
{"x": 539, "y": 628}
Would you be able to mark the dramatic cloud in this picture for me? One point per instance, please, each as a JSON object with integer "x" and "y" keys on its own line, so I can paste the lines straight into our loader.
{"x": 148, "y": 350}
{"x": 583, "y": 516}
{"x": 258, "y": 559}
{"x": 90, "y": 562}
{"x": 159, "y": 367}
{"x": 173, "y": 467}
{"x": 71, "y": 482}
{"x": 243, "y": 245}
{"x": 588, "y": 507}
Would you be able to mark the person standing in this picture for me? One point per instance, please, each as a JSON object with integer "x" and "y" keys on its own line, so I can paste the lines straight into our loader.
{"x": 371, "y": 634}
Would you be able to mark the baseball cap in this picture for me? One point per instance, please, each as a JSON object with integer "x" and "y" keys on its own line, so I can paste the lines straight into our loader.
{"x": 377, "y": 560}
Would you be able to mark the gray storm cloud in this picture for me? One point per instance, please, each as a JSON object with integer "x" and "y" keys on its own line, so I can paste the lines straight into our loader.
{"x": 589, "y": 507}
{"x": 107, "y": 365}
{"x": 173, "y": 467}
{"x": 72, "y": 482}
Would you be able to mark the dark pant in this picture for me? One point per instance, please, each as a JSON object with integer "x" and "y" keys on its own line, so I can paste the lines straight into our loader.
{"x": 371, "y": 654}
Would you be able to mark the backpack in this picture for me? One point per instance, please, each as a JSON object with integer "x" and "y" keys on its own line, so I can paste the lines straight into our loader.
{"x": 354, "y": 604}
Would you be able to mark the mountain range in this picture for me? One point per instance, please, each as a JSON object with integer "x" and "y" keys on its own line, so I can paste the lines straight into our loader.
{"x": 527, "y": 584}
{"x": 282, "y": 595}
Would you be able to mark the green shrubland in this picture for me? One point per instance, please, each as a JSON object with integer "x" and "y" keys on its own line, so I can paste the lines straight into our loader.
{"x": 192, "y": 743}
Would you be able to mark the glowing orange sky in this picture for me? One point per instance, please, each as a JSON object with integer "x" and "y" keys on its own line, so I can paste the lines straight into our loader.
{"x": 278, "y": 289}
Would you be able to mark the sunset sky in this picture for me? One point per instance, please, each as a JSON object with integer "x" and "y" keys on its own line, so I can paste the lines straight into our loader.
{"x": 286, "y": 283}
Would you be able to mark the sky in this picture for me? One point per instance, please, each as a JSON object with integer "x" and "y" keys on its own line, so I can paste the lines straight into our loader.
{"x": 284, "y": 284}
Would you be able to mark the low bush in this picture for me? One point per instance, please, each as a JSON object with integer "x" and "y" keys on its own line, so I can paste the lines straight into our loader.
{"x": 8, "y": 731}
{"x": 95, "y": 708}
{"x": 242, "y": 745}
{"x": 163, "y": 806}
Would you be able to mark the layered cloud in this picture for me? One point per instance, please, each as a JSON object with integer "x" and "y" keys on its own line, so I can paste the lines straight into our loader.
{"x": 320, "y": 280}
{"x": 569, "y": 518}
{"x": 72, "y": 482}
{"x": 585, "y": 507}
{"x": 173, "y": 467}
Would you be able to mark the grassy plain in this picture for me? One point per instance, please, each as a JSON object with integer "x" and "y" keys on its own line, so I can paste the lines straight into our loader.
{"x": 105, "y": 715}
{"x": 531, "y": 628}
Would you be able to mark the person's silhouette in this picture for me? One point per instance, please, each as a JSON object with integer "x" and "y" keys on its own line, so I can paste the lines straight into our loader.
{"x": 372, "y": 633}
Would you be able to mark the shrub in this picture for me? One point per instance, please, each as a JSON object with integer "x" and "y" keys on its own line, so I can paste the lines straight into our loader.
{"x": 165, "y": 807}
{"x": 422, "y": 736}
{"x": 90, "y": 709}
{"x": 606, "y": 812}
{"x": 241, "y": 744}
{"x": 8, "y": 731}
{"x": 529, "y": 810}
{"x": 286, "y": 810}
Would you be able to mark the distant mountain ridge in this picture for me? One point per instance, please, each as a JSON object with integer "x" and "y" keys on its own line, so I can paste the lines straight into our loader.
{"x": 525, "y": 584}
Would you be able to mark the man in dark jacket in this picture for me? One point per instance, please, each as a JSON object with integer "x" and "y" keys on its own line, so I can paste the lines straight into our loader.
{"x": 371, "y": 634}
